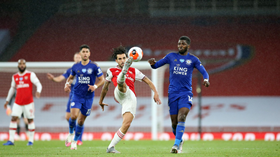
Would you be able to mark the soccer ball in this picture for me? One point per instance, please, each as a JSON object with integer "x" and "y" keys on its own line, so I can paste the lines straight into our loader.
{"x": 136, "y": 53}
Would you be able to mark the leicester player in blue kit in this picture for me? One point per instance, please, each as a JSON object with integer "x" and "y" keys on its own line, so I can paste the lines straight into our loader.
{"x": 85, "y": 73}
{"x": 62, "y": 77}
{"x": 181, "y": 66}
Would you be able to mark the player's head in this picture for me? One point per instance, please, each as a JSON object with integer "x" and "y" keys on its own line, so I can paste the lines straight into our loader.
{"x": 184, "y": 44}
{"x": 85, "y": 52}
{"x": 21, "y": 65}
{"x": 120, "y": 55}
{"x": 77, "y": 57}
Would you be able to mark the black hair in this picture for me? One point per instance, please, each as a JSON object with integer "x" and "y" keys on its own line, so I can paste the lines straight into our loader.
{"x": 188, "y": 40}
{"x": 119, "y": 50}
{"x": 84, "y": 46}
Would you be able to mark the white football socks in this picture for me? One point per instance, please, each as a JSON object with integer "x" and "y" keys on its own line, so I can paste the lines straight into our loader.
{"x": 117, "y": 138}
{"x": 31, "y": 129}
{"x": 12, "y": 131}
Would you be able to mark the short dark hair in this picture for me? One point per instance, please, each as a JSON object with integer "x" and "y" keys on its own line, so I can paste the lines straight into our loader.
{"x": 84, "y": 46}
{"x": 119, "y": 50}
{"x": 188, "y": 40}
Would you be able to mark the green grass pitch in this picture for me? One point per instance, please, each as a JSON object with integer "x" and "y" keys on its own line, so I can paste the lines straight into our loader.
{"x": 145, "y": 148}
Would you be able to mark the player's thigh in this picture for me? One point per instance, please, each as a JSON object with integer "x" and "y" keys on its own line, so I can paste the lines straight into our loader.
{"x": 173, "y": 107}
{"x": 129, "y": 103}
{"x": 86, "y": 107}
{"x": 185, "y": 101}
{"x": 28, "y": 111}
{"x": 17, "y": 110}
{"x": 76, "y": 102}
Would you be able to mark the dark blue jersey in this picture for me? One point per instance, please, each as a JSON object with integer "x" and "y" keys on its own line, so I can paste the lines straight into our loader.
{"x": 85, "y": 75}
{"x": 180, "y": 71}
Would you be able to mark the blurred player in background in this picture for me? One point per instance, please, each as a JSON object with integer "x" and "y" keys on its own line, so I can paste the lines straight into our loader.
{"x": 123, "y": 77}
{"x": 22, "y": 82}
{"x": 85, "y": 73}
{"x": 60, "y": 78}
{"x": 181, "y": 65}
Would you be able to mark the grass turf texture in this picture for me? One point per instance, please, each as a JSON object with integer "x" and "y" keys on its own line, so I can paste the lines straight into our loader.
{"x": 145, "y": 148}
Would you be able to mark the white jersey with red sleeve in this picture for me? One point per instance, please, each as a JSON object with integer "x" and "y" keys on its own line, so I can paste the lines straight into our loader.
{"x": 23, "y": 83}
{"x": 132, "y": 75}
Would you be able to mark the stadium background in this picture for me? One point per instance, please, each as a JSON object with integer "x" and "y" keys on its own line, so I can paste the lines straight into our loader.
{"x": 244, "y": 93}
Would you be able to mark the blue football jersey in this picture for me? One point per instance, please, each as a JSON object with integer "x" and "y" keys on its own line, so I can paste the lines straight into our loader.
{"x": 180, "y": 71}
{"x": 85, "y": 75}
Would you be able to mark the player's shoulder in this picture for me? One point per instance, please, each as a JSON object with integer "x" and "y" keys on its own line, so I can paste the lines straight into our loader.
{"x": 93, "y": 63}
{"x": 171, "y": 54}
{"x": 193, "y": 56}
{"x": 114, "y": 69}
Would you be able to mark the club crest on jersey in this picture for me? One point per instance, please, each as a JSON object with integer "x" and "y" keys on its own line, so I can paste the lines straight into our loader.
{"x": 175, "y": 60}
{"x": 72, "y": 103}
{"x": 89, "y": 71}
{"x": 84, "y": 70}
{"x": 20, "y": 78}
{"x": 189, "y": 62}
{"x": 182, "y": 60}
{"x": 26, "y": 77}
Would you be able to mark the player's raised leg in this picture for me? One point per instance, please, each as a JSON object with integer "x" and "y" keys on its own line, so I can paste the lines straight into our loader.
{"x": 121, "y": 76}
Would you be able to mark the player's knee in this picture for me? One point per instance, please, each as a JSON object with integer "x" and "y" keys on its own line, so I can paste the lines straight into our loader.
{"x": 30, "y": 121}
{"x": 14, "y": 119}
{"x": 181, "y": 118}
{"x": 74, "y": 117}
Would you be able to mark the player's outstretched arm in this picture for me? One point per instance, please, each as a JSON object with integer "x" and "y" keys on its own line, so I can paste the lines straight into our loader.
{"x": 152, "y": 86}
{"x": 59, "y": 78}
{"x": 103, "y": 94}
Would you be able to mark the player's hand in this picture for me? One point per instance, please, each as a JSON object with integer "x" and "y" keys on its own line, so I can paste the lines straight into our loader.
{"x": 8, "y": 110}
{"x": 67, "y": 87}
{"x": 91, "y": 88}
{"x": 156, "y": 99}
{"x": 6, "y": 104}
{"x": 38, "y": 95}
{"x": 152, "y": 61}
{"x": 206, "y": 83}
{"x": 102, "y": 105}
{"x": 50, "y": 76}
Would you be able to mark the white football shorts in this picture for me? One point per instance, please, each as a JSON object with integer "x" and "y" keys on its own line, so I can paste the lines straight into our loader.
{"x": 27, "y": 110}
{"x": 127, "y": 100}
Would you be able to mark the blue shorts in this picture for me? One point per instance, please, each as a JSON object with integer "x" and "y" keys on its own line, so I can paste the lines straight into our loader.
{"x": 68, "y": 103}
{"x": 178, "y": 101}
{"x": 84, "y": 104}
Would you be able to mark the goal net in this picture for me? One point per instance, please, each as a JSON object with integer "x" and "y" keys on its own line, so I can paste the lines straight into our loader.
{"x": 50, "y": 107}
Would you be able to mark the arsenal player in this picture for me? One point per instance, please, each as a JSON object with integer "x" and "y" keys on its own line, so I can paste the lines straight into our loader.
{"x": 22, "y": 82}
{"x": 123, "y": 77}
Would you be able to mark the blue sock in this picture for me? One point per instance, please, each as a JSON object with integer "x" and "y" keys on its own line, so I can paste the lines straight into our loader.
{"x": 174, "y": 131}
{"x": 72, "y": 125}
{"x": 81, "y": 136}
{"x": 179, "y": 133}
{"x": 78, "y": 132}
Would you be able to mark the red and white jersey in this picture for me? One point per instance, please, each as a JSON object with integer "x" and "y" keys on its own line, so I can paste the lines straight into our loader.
{"x": 23, "y": 84}
{"x": 132, "y": 75}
